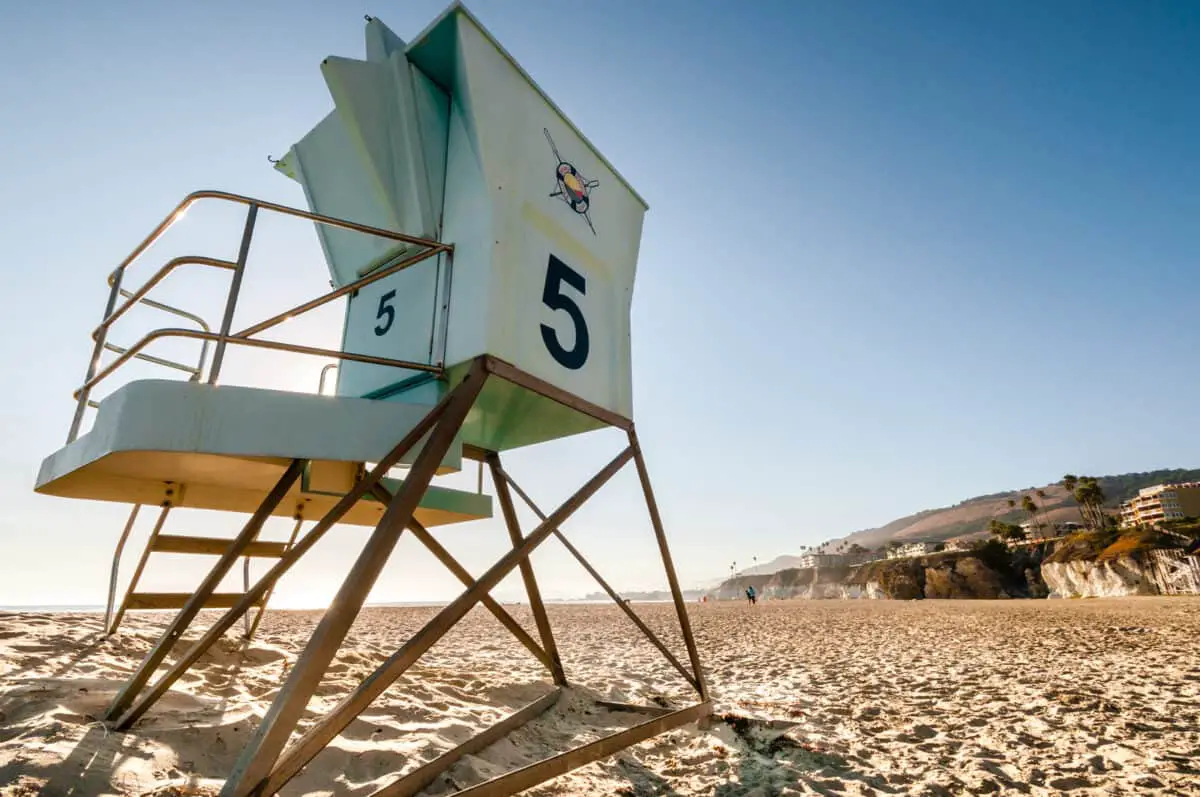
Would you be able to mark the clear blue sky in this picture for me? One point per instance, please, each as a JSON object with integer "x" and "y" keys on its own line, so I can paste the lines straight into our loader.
{"x": 898, "y": 254}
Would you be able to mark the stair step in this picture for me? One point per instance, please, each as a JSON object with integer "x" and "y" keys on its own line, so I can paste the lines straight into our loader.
{"x": 176, "y": 600}
{"x": 175, "y": 543}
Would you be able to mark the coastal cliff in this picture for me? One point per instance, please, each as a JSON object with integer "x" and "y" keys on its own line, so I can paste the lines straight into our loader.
{"x": 1157, "y": 572}
{"x": 987, "y": 573}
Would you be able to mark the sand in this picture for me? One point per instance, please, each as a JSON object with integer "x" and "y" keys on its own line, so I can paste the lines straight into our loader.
{"x": 821, "y": 697}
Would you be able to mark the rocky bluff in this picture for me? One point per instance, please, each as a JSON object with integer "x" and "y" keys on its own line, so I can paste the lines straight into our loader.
{"x": 988, "y": 573}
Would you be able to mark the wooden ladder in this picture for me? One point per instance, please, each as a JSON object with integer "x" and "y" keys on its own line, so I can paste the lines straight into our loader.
{"x": 179, "y": 544}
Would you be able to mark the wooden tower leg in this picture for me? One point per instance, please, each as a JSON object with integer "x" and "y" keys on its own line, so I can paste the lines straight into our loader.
{"x": 263, "y": 749}
{"x": 685, "y": 624}
{"x": 335, "y": 721}
{"x": 141, "y": 565}
{"x": 526, "y": 567}
{"x": 612, "y": 593}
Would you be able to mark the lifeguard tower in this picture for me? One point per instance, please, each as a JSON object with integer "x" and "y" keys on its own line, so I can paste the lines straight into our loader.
{"x": 487, "y": 253}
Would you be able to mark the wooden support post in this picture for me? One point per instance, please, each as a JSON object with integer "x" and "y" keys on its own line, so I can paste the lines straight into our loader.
{"x": 268, "y": 741}
{"x": 685, "y": 624}
{"x": 260, "y": 588}
{"x": 141, "y": 566}
{"x": 207, "y": 587}
{"x": 526, "y": 568}
{"x": 612, "y": 593}
{"x": 424, "y": 775}
{"x": 333, "y": 722}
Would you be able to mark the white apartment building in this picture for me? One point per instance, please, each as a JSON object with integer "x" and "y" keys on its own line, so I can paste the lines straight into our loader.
{"x": 912, "y": 549}
{"x": 822, "y": 560}
{"x": 1162, "y": 502}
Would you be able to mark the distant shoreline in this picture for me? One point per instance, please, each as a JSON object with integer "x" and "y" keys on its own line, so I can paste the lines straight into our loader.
{"x": 69, "y": 608}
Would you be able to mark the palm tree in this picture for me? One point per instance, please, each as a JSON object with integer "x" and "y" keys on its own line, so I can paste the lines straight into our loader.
{"x": 1044, "y": 522}
{"x": 1070, "y": 482}
{"x": 1031, "y": 509}
{"x": 1091, "y": 501}
{"x": 1005, "y": 531}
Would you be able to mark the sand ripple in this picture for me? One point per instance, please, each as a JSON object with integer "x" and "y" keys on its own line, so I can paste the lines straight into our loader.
{"x": 835, "y": 698}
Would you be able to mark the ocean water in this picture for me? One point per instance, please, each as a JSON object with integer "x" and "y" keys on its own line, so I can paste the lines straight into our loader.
{"x": 65, "y": 607}
{"x": 97, "y": 608}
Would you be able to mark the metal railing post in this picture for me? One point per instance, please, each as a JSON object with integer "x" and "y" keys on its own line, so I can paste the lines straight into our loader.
{"x": 321, "y": 384}
{"x": 199, "y": 372}
{"x": 235, "y": 288}
{"x": 114, "y": 309}
{"x": 116, "y": 566}
{"x": 97, "y": 351}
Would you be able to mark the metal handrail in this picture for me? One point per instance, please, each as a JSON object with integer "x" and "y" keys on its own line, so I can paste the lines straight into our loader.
{"x": 337, "y": 293}
{"x": 113, "y": 312}
{"x": 195, "y": 334}
{"x": 173, "y": 310}
{"x": 182, "y": 314}
{"x": 137, "y": 296}
{"x": 187, "y": 369}
{"x": 321, "y": 382}
{"x": 182, "y": 208}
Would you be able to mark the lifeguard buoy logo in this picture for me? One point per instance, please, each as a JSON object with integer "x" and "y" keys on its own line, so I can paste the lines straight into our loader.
{"x": 571, "y": 186}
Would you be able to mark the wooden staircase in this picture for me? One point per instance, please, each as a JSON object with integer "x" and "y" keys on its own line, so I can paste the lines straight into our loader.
{"x": 197, "y": 546}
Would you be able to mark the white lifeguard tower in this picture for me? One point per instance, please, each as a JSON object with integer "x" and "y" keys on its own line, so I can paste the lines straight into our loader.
{"x": 487, "y": 252}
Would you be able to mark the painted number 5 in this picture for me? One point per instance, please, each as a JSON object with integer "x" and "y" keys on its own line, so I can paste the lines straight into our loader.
{"x": 558, "y": 272}
{"x": 385, "y": 311}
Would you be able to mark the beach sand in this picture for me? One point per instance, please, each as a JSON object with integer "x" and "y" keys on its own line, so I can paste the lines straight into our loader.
{"x": 821, "y": 697}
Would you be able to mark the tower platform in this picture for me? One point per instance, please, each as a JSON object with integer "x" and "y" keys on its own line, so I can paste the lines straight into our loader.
{"x": 203, "y": 446}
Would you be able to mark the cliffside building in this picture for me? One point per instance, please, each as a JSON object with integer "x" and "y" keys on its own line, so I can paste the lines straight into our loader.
{"x": 1153, "y": 505}
{"x": 1048, "y": 531}
{"x": 822, "y": 560}
{"x": 912, "y": 549}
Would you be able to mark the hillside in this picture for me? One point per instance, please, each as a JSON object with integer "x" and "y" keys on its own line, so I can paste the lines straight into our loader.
{"x": 971, "y": 517}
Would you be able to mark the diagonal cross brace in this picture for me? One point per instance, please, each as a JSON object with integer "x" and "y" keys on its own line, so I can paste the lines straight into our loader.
{"x": 269, "y": 739}
{"x": 442, "y": 555}
{"x": 541, "y": 771}
{"x": 526, "y": 567}
{"x": 268, "y": 580}
{"x": 650, "y": 635}
{"x": 335, "y": 721}
{"x": 416, "y": 781}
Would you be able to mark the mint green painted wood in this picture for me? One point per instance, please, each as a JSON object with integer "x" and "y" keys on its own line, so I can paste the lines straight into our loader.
{"x": 457, "y": 141}
{"x": 187, "y": 417}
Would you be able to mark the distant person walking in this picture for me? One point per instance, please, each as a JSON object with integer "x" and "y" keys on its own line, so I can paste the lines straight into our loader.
{"x": 751, "y": 595}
